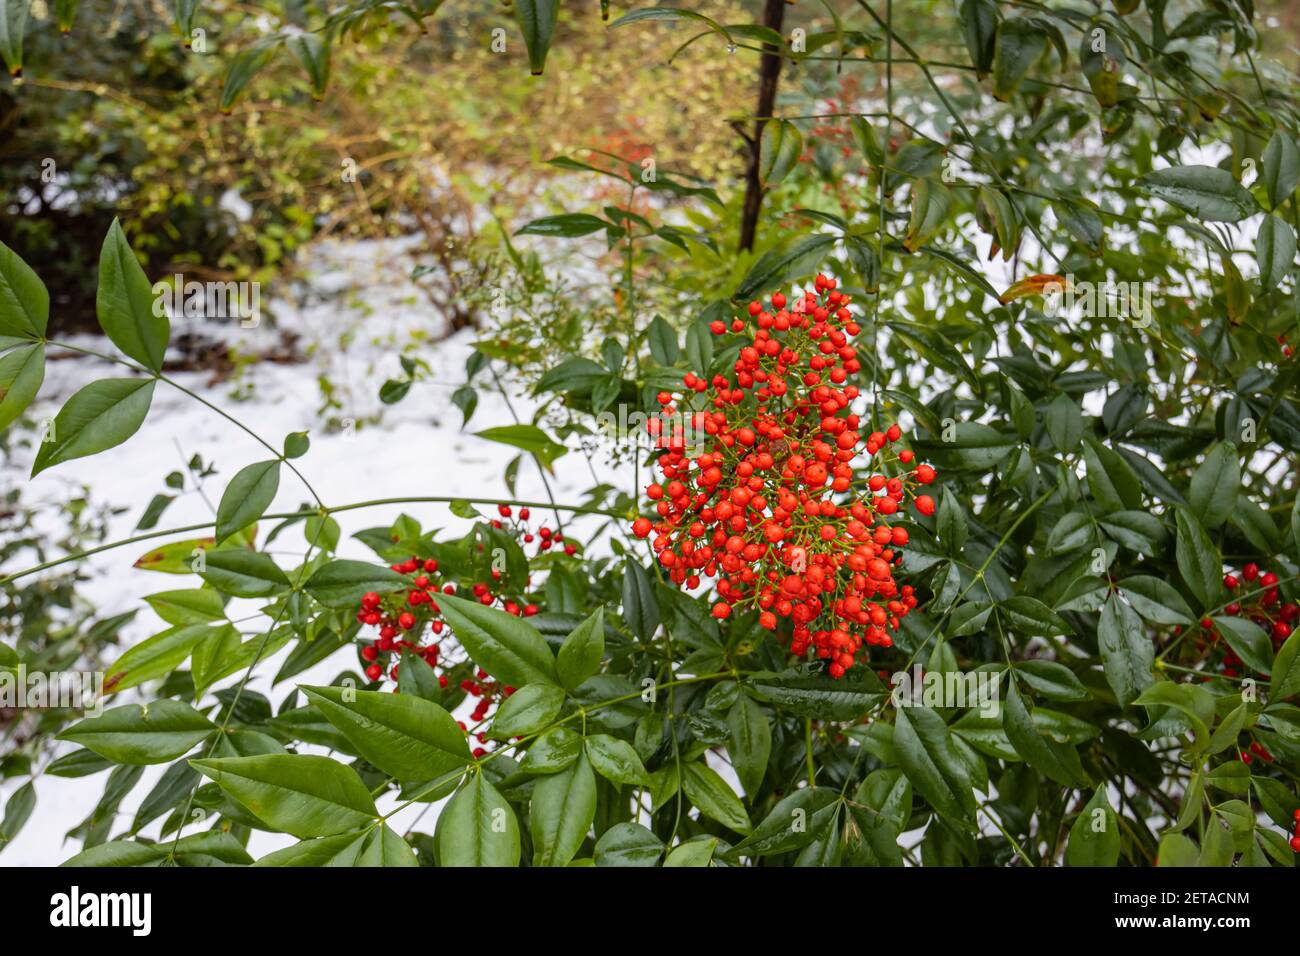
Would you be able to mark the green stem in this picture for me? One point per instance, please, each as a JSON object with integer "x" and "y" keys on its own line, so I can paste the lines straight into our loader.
{"x": 323, "y": 510}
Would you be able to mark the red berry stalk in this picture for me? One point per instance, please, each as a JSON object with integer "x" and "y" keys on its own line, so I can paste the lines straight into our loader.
{"x": 775, "y": 503}
{"x": 410, "y": 619}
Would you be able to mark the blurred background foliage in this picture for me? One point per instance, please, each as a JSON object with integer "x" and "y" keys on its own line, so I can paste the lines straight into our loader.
{"x": 116, "y": 118}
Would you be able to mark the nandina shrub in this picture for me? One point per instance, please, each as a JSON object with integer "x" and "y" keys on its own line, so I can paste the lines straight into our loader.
{"x": 1095, "y": 663}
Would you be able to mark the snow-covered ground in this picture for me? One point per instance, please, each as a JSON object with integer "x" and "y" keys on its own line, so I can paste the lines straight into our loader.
{"x": 418, "y": 449}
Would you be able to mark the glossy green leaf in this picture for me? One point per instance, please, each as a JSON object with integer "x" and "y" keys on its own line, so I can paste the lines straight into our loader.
{"x": 129, "y": 312}
{"x": 100, "y": 416}
{"x": 507, "y": 647}
{"x": 407, "y": 737}
{"x": 307, "y": 796}
{"x": 562, "y": 810}
{"x": 142, "y": 733}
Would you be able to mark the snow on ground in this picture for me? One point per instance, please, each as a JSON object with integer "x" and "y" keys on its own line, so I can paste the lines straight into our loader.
{"x": 419, "y": 449}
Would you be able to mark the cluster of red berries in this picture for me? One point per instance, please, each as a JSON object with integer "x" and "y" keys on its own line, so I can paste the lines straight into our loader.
{"x": 544, "y": 536}
{"x": 771, "y": 503}
{"x": 1262, "y": 605}
{"x": 1295, "y": 835}
{"x": 409, "y": 619}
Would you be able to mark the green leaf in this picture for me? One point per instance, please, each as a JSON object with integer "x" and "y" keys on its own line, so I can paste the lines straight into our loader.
{"x": 699, "y": 345}
{"x": 616, "y": 760}
{"x": 22, "y": 371}
{"x": 1275, "y": 248}
{"x": 529, "y": 438}
{"x": 782, "y": 264}
{"x": 1280, "y": 167}
{"x": 1055, "y": 760}
{"x": 313, "y": 52}
{"x": 582, "y": 651}
{"x": 1231, "y": 777}
{"x": 243, "y": 573}
{"x": 247, "y": 497}
{"x": 1018, "y": 46}
{"x": 749, "y": 743}
{"x": 780, "y": 149}
{"x": 155, "y": 656}
{"x": 931, "y": 204}
{"x": 142, "y": 733}
{"x": 628, "y": 844}
{"x": 342, "y": 583}
{"x": 18, "y": 808}
{"x": 1136, "y": 530}
{"x": 24, "y": 300}
{"x": 1094, "y": 837}
{"x": 128, "y": 310}
{"x": 507, "y": 647}
{"x": 1080, "y": 219}
{"x": 996, "y": 216}
{"x": 1156, "y": 600}
{"x": 13, "y": 22}
{"x": 117, "y": 853}
{"x": 527, "y": 710}
{"x": 477, "y": 827}
{"x": 1225, "y": 735}
{"x": 1127, "y": 653}
{"x": 407, "y": 737}
{"x": 1215, "y": 484}
{"x": 296, "y": 444}
{"x": 536, "y": 20}
{"x": 716, "y": 800}
{"x": 817, "y": 695}
{"x": 880, "y": 810}
{"x": 553, "y": 751}
{"x": 1175, "y": 849}
{"x": 1031, "y": 616}
{"x": 932, "y": 762}
{"x": 696, "y": 852}
{"x": 243, "y": 67}
{"x": 1247, "y": 640}
{"x": 562, "y": 810}
{"x": 793, "y": 823}
{"x": 1110, "y": 479}
{"x": 100, "y": 416}
{"x": 569, "y": 226}
{"x": 1198, "y": 560}
{"x": 1052, "y": 680}
{"x": 1206, "y": 192}
{"x": 951, "y": 522}
{"x": 1194, "y": 704}
{"x": 1285, "y": 672}
{"x": 9, "y": 659}
{"x": 979, "y": 23}
{"x": 306, "y": 796}
{"x": 640, "y": 606}
{"x": 663, "y": 341}
{"x": 866, "y": 260}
